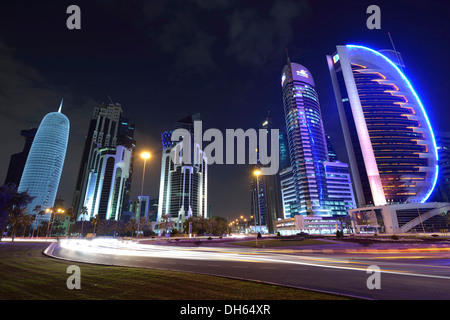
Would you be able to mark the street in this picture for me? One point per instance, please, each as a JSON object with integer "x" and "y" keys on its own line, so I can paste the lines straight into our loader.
{"x": 407, "y": 272}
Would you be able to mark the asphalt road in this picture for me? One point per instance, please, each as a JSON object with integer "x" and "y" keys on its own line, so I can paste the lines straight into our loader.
{"x": 404, "y": 274}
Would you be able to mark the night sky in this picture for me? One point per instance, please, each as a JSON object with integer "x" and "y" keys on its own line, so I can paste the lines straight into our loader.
{"x": 165, "y": 59}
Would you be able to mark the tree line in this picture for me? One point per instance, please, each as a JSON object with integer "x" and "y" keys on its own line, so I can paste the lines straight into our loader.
{"x": 16, "y": 220}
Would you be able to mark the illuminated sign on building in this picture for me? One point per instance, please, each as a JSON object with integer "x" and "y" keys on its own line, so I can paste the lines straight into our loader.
{"x": 336, "y": 58}
{"x": 283, "y": 77}
{"x": 302, "y": 73}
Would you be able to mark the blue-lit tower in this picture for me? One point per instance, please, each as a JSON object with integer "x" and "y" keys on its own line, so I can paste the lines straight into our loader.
{"x": 389, "y": 139}
{"x": 306, "y": 139}
{"x": 45, "y": 160}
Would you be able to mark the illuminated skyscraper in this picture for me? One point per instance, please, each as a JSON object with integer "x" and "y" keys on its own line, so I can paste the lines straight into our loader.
{"x": 442, "y": 191}
{"x": 318, "y": 190}
{"x": 389, "y": 140}
{"x": 45, "y": 160}
{"x": 267, "y": 204}
{"x": 306, "y": 137}
{"x": 105, "y": 172}
{"x": 183, "y": 186}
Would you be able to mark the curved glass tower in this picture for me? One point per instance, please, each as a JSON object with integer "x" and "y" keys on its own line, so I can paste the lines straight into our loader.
{"x": 306, "y": 138}
{"x": 389, "y": 139}
{"x": 45, "y": 161}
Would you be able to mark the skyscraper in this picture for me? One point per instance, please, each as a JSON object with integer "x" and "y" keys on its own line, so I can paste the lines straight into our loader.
{"x": 45, "y": 160}
{"x": 285, "y": 160}
{"x": 332, "y": 156}
{"x": 442, "y": 191}
{"x": 183, "y": 186}
{"x": 104, "y": 177}
{"x": 321, "y": 187}
{"x": 18, "y": 160}
{"x": 288, "y": 194}
{"x": 389, "y": 139}
{"x": 306, "y": 137}
{"x": 266, "y": 190}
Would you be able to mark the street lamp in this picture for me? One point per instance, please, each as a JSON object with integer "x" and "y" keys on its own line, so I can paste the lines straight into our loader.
{"x": 52, "y": 218}
{"x": 145, "y": 156}
{"x": 257, "y": 173}
{"x": 48, "y": 225}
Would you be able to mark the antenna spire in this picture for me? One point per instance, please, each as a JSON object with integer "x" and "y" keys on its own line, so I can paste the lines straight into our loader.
{"x": 287, "y": 56}
{"x": 396, "y": 53}
{"x": 110, "y": 99}
{"x": 60, "y": 106}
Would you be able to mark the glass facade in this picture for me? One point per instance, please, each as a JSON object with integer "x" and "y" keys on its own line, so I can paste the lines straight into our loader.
{"x": 306, "y": 138}
{"x": 45, "y": 161}
{"x": 389, "y": 139}
{"x": 322, "y": 184}
{"x": 104, "y": 178}
{"x": 183, "y": 187}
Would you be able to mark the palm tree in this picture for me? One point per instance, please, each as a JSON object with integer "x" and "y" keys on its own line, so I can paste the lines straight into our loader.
{"x": 95, "y": 221}
{"x": 36, "y": 209}
{"x": 69, "y": 213}
{"x": 131, "y": 226}
{"x": 7, "y": 192}
{"x": 17, "y": 209}
{"x": 38, "y": 224}
{"x": 84, "y": 211}
{"x": 165, "y": 223}
{"x": 52, "y": 211}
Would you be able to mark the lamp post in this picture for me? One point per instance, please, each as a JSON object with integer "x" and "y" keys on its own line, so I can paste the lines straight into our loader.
{"x": 145, "y": 156}
{"x": 54, "y": 214}
{"x": 257, "y": 173}
{"x": 48, "y": 210}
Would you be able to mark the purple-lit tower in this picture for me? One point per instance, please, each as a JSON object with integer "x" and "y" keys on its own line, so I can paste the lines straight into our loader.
{"x": 389, "y": 139}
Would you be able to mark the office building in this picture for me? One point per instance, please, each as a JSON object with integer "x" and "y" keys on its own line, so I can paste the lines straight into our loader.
{"x": 183, "y": 186}
{"x": 285, "y": 159}
{"x": 266, "y": 205}
{"x": 332, "y": 156}
{"x": 442, "y": 191}
{"x": 45, "y": 160}
{"x": 313, "y": 174}
{"x": 339, "y": 187}
{"x": 104, "y": 177}
{"x": 389, "y": 140}
{"x": 288, "y": 193}
{"x": 18, "y": 160}
{"x": 306, "y": 137}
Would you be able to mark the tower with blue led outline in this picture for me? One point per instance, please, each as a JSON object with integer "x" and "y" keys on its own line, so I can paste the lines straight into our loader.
{"x": 306, "y": 139}
{"x": 45, "y": 160}
{"x": 389, "y": 139}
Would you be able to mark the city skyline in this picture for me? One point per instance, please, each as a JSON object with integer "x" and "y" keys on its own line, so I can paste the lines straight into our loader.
{"x": 254, "y": 81}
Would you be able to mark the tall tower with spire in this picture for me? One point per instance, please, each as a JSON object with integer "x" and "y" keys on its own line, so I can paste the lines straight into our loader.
{"x": 45, "y": 160}
{"x": 306, "y": 137}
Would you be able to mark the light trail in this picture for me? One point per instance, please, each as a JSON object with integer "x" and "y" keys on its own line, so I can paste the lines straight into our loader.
{"x": 129, "y": 248}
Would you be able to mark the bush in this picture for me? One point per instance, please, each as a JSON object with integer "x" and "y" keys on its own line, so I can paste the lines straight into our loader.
{"x": 394, "y": 237}
{"x": 435, "y": 235}
{"x": 259, "y": 235}
{"x": 339, "y": 234}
